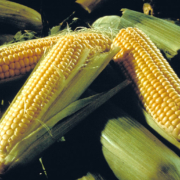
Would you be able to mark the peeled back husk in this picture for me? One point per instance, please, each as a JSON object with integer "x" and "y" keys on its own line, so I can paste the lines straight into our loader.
{"x": 162, "y": 32}
{"x": 132, "y": 152}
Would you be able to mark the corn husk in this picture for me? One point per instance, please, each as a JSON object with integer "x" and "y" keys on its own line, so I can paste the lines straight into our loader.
{"x": 89, "y": 5}
{"x": 162, "y": 32}
{"x": 108, "y": 23}
{"x": 132, "y": 152}
{"x": 91, "y": 176}
{"x": 15, "y": 16}
{"x": 150, "y": 121}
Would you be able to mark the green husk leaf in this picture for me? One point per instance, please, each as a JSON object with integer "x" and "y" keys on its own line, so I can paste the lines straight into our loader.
{"x": 72, "y": 108}
{"x": 150, "y": 121}
{"x": 108, "y": 23}
{"x": 133, "y": 152}
{"x": 162, "y": 32}
{"x": 91, "y": 176}
{"x": 41, "y": 139}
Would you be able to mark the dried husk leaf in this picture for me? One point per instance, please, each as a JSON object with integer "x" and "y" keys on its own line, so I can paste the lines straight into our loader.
{"x": 89, "y": 5}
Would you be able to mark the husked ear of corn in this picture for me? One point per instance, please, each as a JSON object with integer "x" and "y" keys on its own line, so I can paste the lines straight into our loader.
{"x": 155, "y": 82}
{"x": 45, "y": 89}
{"x": 20, "y": 58}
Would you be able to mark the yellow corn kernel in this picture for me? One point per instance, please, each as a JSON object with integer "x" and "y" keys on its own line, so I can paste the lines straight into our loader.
{"x": 155, "y": 82}
{"x": 5, "y": 68}
{"x": 17, "y": 65}
{"x": 17, "y": 72}
{"x": 11, "y": 66}
{"x": 44, "y": 85}
{"x": 11, "y": 72}
{"x": 28, "y": 68}
{"x": 23, "y": 70}
{"x": 2, "y": 76}
{"x": 7, "y": 74}
{"x": 28, "y": 53}
{"x": 23, "y": 53}
{"x": 22, "y": 63}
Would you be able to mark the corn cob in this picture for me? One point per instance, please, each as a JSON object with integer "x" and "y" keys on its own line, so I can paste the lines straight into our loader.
{"x": 155, "y": 82}
{"x": 67, "y": 56}
{"x": 21, "y": 58}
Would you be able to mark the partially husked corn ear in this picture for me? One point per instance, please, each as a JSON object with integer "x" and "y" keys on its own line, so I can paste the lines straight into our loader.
{"x": 155, "y": 82}
{"x": 45, "y": 84}
{"x": 20, "y": 58}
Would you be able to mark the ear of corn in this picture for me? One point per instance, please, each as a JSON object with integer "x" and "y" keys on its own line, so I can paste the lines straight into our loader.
{"x": 45, "y": 90}
{"x": 20, "y": 58}
{"x": 155, "y": 83}
{"x": 132, "y": 152}
{"x": 43, "y": 137}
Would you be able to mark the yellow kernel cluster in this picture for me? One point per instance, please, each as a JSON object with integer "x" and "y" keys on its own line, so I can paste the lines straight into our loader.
{"x": 43, "y": 85}
{"x": 20, "y": 58}
{"x": 155, "y": 82}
